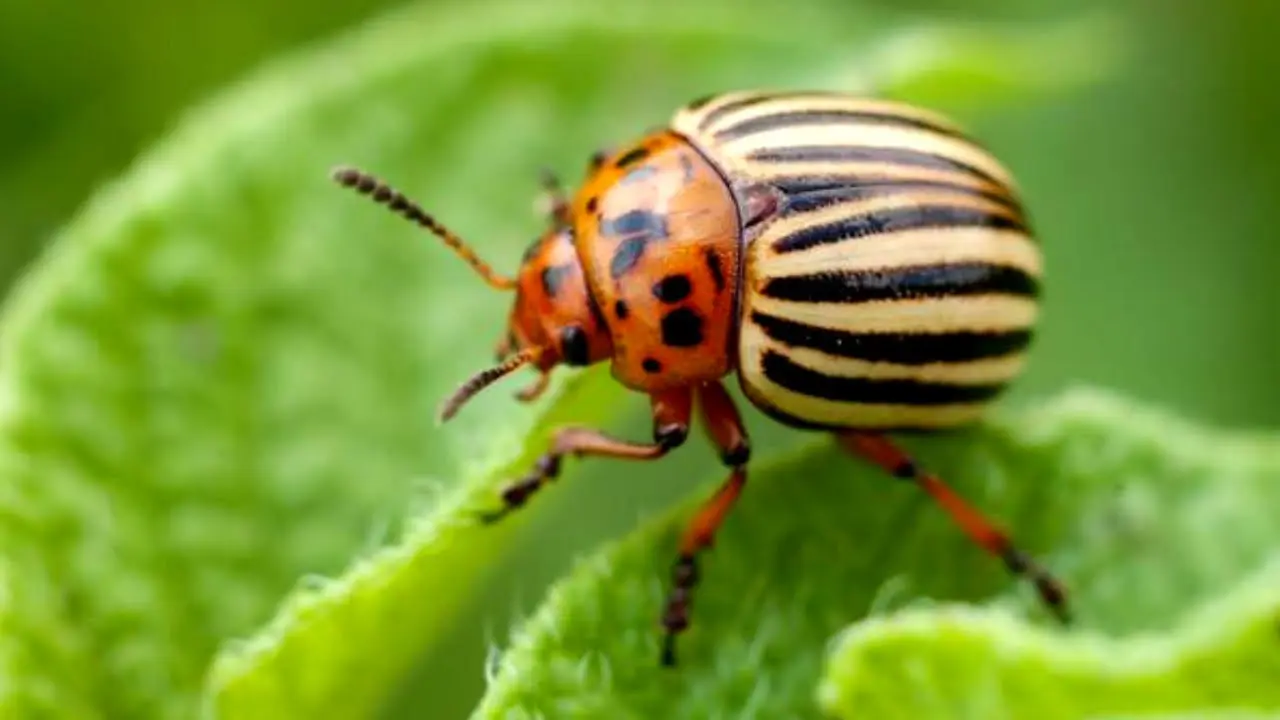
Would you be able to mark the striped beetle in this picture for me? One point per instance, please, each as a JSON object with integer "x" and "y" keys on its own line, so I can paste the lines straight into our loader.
{"x": 862, "y": 265}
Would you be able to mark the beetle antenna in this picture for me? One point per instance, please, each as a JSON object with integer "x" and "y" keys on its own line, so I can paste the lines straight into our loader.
{"x": 382, "y": 193}
{"x": 484, "y": 379}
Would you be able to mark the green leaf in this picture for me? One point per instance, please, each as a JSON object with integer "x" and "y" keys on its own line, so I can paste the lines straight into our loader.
{"x": 222, "y": 480}
{"x": 983, "y": 663}
{"x": 1145, "y": 518}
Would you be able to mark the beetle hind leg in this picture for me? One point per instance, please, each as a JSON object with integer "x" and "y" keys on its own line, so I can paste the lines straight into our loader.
{"x": 883, "y": 452}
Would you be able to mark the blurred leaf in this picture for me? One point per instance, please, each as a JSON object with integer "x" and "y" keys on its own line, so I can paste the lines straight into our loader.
{"x": 218, "y": 388}
{"x": 984, "y": 65}
{"x": 1144, "y": 517}
{"x": 983, "y": 664}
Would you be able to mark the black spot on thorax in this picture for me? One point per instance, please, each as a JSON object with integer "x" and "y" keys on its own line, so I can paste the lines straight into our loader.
{"x": 682, "y": 327}
{"x": 634, "y": 222}
{"x": 620, "y": 309}
{"x": 651, "y": 366}
{"x": 672, "y": 288}
{"x": 632, "y": 156}
{"x": 639, "y": 227}
{"x": 626, "y": 256}
{"x": 714, "y": 267}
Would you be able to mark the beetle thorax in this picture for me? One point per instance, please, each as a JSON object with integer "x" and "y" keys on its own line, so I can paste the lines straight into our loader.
{"x": 656, "y": 229}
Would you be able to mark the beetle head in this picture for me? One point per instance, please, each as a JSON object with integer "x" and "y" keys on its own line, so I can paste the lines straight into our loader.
{"x": 553, "y": 320}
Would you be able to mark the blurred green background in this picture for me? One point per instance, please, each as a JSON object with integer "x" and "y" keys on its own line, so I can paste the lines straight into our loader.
{"x": 1153, "y": 191}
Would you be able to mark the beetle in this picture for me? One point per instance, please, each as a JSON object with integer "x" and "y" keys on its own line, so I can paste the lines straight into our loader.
{"x": 863, "y": 266}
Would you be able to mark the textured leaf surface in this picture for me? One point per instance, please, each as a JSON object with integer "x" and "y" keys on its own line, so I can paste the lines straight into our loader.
{"x": 223, "y": 377}
{"x": 1145, "y": 518}
{"x": 984, "y": 664}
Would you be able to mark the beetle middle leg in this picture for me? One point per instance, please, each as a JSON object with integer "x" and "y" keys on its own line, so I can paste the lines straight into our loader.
{"x": 885, "y": 453}
{"x": 724, "y": 425}
{"x": 671, "y": 414}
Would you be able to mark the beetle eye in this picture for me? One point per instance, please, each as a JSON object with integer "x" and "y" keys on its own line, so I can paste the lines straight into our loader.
{"x": 573, "y": 345}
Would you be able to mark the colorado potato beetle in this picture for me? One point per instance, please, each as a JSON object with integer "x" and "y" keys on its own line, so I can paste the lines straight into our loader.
{"x": 862, "y": 265}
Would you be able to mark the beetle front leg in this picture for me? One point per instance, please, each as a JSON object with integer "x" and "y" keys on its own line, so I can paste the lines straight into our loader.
{"x": 724, "y": 425}
{"x": 671, "y": 413}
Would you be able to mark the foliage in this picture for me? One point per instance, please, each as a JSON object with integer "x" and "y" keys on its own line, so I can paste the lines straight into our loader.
{"x": 1128, "y": 505}
{"x": 223, "y": 484}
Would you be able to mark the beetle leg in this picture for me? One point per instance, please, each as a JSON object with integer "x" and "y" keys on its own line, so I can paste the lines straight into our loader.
{"x": 553, "y": 201}
{"x": 883, "y": 452}
{"x": 724, "y": 425}
{"x": 671, "y": 412}
{"x": 534, "y": 390}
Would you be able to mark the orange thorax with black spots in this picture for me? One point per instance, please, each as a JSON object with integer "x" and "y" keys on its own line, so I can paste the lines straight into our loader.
{"x": 656, "y": 229}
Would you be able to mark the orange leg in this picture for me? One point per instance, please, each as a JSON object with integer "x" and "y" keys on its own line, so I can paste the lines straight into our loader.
{"x": 534, "y": 390}
{"x": 671, "y": 413}
{"x": 724, "y": 426}
{"x": 885, "y": 453}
